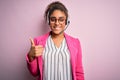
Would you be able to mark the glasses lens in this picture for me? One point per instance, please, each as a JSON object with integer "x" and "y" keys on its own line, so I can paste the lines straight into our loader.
{"x": 60, "y": 20}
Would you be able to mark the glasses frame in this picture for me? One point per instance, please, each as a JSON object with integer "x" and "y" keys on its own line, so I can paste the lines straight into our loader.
{"x": 60, "y": 20}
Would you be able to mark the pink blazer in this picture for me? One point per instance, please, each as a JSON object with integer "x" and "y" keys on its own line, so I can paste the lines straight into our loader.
{"x": 36, "y": 66}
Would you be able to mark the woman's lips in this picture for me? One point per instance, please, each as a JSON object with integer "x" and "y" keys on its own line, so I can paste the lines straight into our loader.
{"x": 57, "y": 28}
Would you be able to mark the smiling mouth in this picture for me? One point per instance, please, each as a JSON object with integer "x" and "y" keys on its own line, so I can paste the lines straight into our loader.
{"x": 57, "y": 28}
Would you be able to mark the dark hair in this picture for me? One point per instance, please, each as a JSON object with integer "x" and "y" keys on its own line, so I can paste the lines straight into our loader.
{"x": 55, "y": 6}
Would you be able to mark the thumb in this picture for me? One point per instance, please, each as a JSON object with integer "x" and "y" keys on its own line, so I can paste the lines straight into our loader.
{"x": 32, "y": 42}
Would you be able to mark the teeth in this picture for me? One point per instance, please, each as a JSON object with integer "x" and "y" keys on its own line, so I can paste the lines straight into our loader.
{"x": 57, "y": 28}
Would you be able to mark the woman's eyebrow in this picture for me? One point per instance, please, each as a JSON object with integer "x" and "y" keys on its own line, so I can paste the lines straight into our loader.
{"x": 55, "y": 17}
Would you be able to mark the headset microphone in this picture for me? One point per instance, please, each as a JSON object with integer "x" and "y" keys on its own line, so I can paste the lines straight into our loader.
{"x": 68, "y": 22}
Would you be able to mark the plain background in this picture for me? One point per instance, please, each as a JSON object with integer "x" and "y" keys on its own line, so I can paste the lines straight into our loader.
{"x": 95, "y": 22}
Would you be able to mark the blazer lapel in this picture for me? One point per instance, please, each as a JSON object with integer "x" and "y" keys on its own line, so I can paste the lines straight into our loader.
{"x": 43, "y": 39}
{"x": 72, "y": 49}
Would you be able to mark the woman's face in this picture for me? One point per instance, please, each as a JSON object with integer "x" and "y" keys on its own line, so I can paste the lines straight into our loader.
{"x": 57, "y": 21}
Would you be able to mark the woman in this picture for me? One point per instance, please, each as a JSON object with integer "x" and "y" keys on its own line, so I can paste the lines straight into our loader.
{"x": 56, "y": 55}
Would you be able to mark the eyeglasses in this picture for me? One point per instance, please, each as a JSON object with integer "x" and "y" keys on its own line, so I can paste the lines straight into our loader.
{"x": 61, "y": 20}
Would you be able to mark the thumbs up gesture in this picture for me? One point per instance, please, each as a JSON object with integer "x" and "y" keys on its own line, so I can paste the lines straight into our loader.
{"x": 35, "y": 51}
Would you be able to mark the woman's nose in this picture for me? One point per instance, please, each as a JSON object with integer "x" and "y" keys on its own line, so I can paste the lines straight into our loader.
{"x": 57, "y": 22}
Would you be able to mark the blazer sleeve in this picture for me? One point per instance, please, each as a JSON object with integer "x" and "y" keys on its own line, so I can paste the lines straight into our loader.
{"x": 33, "y": 65}
{"x": 79, "y": 66}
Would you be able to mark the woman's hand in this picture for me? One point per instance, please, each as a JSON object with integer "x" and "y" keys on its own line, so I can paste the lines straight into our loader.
{"x": 35, "y": 51}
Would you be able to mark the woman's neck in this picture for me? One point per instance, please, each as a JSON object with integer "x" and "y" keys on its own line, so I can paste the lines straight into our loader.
{"x": 57, "y": 39}
{"x": 57, "y": 36}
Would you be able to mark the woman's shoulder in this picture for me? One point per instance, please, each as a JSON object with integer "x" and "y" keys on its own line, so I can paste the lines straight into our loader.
{"x": 44, "y": 36}
{"x": 72, "y": 40}
{"x": 41, "y": 39}
{"x": 71, "y": 37}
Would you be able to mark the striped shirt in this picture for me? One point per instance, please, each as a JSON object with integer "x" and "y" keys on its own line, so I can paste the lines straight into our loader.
{"x": 56, "y": 61}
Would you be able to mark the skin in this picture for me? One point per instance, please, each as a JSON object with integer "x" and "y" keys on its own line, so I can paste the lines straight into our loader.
{"x": 57, "y": 27}
{"x": 57, "y": 35}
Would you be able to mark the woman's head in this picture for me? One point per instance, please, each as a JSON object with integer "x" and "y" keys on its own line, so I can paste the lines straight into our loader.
{"x": 56, "y": 16}
{"x": 55, "y": 6}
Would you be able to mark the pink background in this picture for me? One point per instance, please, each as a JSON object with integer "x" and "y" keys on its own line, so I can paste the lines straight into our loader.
{"x": 95, "y": 22}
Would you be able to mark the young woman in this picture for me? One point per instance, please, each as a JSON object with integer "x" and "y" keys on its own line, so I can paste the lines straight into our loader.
{"x": 56, "y": 55}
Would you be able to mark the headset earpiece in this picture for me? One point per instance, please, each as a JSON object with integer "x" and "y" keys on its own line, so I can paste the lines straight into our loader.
{"x": 48, "y": 18}
{"x": 67, "y": 21}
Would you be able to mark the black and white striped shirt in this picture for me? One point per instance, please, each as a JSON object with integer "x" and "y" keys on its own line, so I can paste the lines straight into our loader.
{"x": 56, "y": 61}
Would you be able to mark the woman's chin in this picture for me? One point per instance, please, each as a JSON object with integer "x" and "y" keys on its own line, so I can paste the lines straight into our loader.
{"x": 57, "y": 32}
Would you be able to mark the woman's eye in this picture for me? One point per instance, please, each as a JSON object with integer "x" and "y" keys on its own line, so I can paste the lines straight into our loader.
{"x": 52, "y": 19}
{"x": 61, "y": 20}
